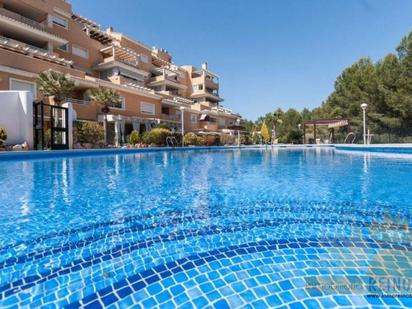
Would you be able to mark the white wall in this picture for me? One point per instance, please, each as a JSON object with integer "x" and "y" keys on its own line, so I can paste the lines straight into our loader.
{"x": 16, "y": 116}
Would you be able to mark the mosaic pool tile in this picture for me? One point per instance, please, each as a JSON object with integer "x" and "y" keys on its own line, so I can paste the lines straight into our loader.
{"x": 215, "y": 248}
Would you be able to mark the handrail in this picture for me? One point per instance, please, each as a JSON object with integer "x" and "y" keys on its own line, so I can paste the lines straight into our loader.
{"x": 347, "y": 137}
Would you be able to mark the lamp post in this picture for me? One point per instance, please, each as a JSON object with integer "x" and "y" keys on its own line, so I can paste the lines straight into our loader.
{"x": 299, "y": 128}
{"x": 364, "y": 107}
{"x": 238, "y": 132}
{"x": 182, "y": 109}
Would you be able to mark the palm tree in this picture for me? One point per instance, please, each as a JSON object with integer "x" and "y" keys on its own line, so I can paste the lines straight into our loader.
{"x": 105, "y": 97}
{"x": 56, "y": 85}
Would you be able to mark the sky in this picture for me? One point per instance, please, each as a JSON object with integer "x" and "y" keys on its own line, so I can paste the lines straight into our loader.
{"x": 267, "y": 53}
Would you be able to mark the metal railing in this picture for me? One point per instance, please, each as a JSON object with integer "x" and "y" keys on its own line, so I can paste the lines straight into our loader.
{"x": 25, "y": 20}
{"x": 13, "y": 42}
{"x": 77, "y": 101}
{"x": 172, "y": 117}
{"x": 127, "y": 80}
{"x": 213, "y": 92}
{"x": 127, "y": 62}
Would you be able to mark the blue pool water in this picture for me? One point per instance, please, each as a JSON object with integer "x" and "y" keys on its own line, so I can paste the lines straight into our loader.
{"x": 227, "y": 228}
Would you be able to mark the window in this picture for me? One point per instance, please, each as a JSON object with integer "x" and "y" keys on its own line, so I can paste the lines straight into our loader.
{"x": 222, "y": 122}
{"x": 80, "y": 51}
{"x": 197, "y": 87}
{"x": 64, "y": 47}
{"x": 193, "y": 118}
{"x": 147, "y": 108}
{"x": 21, "y": 85}
{"x": 144, "y": 58}
{"x": 59, "y": 21}
{"x": 119, "y": 105}
{"x": 165, "y": 110}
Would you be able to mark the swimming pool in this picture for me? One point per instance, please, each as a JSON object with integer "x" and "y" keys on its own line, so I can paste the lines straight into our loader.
{"x": 305, "y": 228}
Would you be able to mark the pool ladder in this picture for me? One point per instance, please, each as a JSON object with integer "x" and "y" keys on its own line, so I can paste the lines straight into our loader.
{"x": 350, "y": 134}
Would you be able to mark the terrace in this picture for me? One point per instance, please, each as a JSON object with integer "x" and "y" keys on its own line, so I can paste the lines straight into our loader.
{"x": 12, "y": 21}
{"x": 115, "y": 54}
{"x": 33, "y": 51}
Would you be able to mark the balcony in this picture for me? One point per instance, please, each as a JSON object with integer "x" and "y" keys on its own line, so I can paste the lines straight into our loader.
{"x": 126, "y": 81}
{"x": 33, "y": 51}
{"x": 16, "y": 23}
{"x": 166, "y": 80}
{"x": 118, "y": 56}
{"x": 207, "y": 95}
{"x": 206, "y": 81}
{"x": 77, "y": 101}
{"x": 176, "y": 118}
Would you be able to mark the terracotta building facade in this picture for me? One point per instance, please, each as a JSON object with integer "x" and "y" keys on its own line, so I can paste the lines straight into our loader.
{"x": 41, "y": 35}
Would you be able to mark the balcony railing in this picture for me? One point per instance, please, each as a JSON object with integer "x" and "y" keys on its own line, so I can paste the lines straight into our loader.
{"x": 172, "y": 117}
{"x": 127, "y": 62}
{"x": 161, "y": 78}
{"x": 212, "y": 92}
{"x": 130, "y": 81}
{"x": 35, "y": 51}
{"x": 25, "y": 20}
{"x": 77, "y": 101}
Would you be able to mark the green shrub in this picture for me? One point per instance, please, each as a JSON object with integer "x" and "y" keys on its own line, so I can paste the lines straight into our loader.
{"x": 88, "y": 132}
{"x": 162, "y": 126}
{"x": 212, "y": 140}
{"x": 133, "y": 138}
{"x": 227, "y": 139}
{"x": 245, "y": 140}
{"x": 191, "y": 139}
{"x": 156, "y": 136}
{"x": 292, "y": 137}
{"x": 3, "y": 136}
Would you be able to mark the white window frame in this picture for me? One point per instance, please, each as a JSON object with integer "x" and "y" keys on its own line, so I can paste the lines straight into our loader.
{"x": 193, "y": 118}
{"x": 11, "y": 79}
{"x": 55, "y": 21}
{"x": 123, "y": 99}
{"x": 74, "y": 47}
{"x": 143, "y": 111}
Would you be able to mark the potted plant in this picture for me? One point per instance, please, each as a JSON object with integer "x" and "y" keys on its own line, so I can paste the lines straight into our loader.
{"x": 105, "y": 97}
{"x": 55, "y": 85}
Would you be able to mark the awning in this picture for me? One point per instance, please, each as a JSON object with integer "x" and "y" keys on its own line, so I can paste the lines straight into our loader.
{"x": 338, "y": 124}
{"x": 330, "y": 123}
{"x": 204, "y": 117}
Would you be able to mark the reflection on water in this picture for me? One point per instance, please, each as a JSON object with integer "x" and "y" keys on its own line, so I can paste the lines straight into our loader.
{"x": 47, "y": 195}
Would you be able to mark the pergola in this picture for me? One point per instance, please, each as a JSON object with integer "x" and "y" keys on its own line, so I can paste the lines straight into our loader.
{"x": 329, "y": 123}
{"x": 121, "y": 53}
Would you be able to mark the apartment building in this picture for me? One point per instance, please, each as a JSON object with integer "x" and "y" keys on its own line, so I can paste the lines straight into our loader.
{"x": 40, "y": 35}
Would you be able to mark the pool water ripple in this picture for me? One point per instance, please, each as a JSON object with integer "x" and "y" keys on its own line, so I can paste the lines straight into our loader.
{"x": 224, "y": 229}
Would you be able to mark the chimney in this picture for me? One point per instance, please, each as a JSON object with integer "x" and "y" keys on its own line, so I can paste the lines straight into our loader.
{"x": 204, "y": 66}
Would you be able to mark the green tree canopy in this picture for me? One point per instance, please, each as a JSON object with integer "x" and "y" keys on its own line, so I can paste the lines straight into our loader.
{"x": 55, "y": 84}
{"x": 385, "y": 85}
